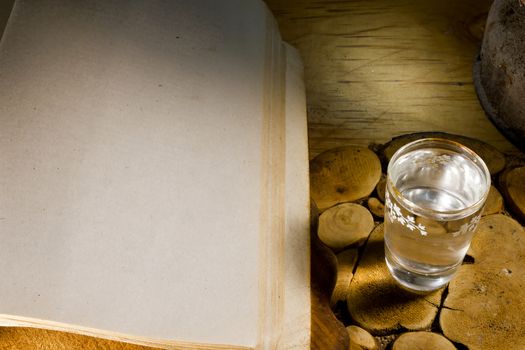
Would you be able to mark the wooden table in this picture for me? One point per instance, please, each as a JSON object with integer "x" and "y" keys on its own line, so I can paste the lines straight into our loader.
{"x": 373, "y": 69}
{"x": 378, "y": 68}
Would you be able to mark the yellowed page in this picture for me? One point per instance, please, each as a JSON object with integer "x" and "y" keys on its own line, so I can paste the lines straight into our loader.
{"x": 297, "y": 316}
{"x": 130, "y": 162}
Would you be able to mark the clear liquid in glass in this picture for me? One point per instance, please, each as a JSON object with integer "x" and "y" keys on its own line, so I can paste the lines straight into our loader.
{"x": 424, "y": 248}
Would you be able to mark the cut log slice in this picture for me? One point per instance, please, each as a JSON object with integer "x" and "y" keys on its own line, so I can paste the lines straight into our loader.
{"x": 360, "y": 339}
{"x": 344, "y": 225}
{"x": 484, "y": 306}
{"x": 343, "y": 174}
{"x": 377, "y": 304}
{"x": 345, "y": 271}
{"x": 515, "y": 159}
{"x": 494, "y": 203}
{"x": 494, "y": 159}
{"x": 26, "y": 338}
{"x": 422, "y": 341}
{"x": 512, "y": 184}
{"x": 376, "y": 207}
{"x": 381, "y": 188}
{"x": 327, "y": 331}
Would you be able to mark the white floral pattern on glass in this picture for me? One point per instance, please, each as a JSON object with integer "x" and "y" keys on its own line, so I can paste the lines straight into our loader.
{"x": 436, "y": 161}
{"x": 468, "y": 226}
{"x": 394, "y": 213}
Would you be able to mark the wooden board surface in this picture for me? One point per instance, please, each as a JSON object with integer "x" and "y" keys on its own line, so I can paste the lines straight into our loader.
{"x": 374, "y": 69}
{"x": 377, "y": 69}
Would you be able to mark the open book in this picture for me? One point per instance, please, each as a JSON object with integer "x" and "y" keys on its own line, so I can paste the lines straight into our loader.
{"x": 154, "y": 174}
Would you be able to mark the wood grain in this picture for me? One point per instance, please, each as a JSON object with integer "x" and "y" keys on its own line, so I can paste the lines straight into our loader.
{"x": 31, "y": 338}
{"x": 376, "y": 207}
{"x": 346, "y": 261}
{"x": 375, "y": 301}
{"x": 494, "y": 203}
{"x": 360, "y": 339}
{"x": 422, "y": 341}
{"x": 377, "y": 69}
{"x": 512, "y": 183}
{"x": 343, "y": 174}
{"x": 327, "y": 331}
{"x": 344, "y": 225}
{"x": 484, "y": 306}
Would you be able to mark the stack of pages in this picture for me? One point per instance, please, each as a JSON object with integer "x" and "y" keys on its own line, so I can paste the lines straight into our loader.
{"x": 154, "y": 174}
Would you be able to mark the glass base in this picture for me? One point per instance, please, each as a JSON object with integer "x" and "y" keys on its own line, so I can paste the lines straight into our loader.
{"x": 416, "y": 282}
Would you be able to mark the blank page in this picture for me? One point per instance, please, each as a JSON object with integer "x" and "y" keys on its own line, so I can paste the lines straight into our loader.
{"x": 130, "y": 166}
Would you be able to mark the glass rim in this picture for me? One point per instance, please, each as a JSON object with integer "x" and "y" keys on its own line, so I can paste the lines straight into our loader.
{"x": 428, "y": 212}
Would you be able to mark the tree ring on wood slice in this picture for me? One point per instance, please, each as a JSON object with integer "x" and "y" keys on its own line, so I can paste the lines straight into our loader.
{"x": 376, "y": 207}
{"x": 375, "y": 301}
{"x": 360, "y": 339}
{"x": 344, "y": 225}
{"x": 494, "y": 203}
{"x": 343, "y": 174}
{"x": 422, "y": 341}
{"x": 494, "y": 159}
{"x": 484, "y": 305}
{"x": 345, "y": 267}
{"x": 381, "y": 188}
{"x": 327, "y": 331}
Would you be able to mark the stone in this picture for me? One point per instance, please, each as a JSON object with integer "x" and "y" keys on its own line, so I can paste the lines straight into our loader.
{"x": 499, "y": 74}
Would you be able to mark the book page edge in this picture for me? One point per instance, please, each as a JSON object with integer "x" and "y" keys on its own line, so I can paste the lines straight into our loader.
{"x": 16, "y": 321}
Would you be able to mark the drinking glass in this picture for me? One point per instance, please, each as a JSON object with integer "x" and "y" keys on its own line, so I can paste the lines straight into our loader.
{"x": 435, "y": 193}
